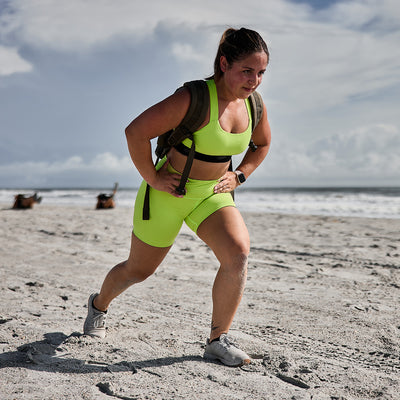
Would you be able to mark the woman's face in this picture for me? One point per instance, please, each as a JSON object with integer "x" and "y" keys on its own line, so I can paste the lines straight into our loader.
{"x": 244, "y": 76}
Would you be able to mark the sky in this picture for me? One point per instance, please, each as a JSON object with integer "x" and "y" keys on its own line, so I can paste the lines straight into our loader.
{"x": 73, "y": 74}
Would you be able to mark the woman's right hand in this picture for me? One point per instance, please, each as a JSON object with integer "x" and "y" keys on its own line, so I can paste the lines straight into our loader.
{"x": 167, "y": 181}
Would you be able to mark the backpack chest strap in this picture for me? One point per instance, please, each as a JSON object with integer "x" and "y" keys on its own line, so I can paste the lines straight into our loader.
{"x": 181, "y": 148}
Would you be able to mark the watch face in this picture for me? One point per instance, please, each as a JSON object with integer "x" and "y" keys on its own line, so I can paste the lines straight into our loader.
{"x": 241, "y": 177}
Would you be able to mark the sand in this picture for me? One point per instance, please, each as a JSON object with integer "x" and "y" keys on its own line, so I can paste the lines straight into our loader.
{"x": 320, "y": 314}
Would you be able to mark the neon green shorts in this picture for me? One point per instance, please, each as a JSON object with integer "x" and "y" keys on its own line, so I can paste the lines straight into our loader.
{"x": 167, "y": 212}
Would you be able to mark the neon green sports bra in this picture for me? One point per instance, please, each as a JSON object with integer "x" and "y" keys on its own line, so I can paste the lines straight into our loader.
{"x": 212, "y": 139}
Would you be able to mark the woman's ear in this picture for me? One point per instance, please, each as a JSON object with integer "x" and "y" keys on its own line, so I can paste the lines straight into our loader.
{"x": 223, "y": 63}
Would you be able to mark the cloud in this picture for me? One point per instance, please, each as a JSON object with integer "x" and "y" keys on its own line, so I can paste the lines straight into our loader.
{"x": 365, "y": 155}
{"x": 186, "y": 52}
{"x": 74, "y": 25}
{"x": 79, "y": 25}
{"x": 381, "y": 16}
{"x": 11, "y": 62}
{"x": 368, "y": 151}
{"x": 331, "y": 45}
{"x": 328, "y": 58}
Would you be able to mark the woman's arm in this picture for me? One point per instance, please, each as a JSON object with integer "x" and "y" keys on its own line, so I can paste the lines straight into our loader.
{"x": 153, "y": 122}
{"x": 262, "y": 139}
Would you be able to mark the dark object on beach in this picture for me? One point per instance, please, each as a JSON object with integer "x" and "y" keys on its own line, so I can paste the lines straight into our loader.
{"x": 106, "y": 200}
{"x": 23, "y": 201}
{"x": 293, "y": 381}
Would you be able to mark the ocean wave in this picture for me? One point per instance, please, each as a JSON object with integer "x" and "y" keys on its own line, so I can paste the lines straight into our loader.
{"x": 351, "y": 202}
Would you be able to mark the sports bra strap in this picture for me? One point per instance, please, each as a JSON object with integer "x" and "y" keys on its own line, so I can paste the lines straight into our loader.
{"x": 213, "y": 105}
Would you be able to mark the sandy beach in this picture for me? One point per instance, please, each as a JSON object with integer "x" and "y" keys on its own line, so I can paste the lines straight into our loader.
{"x": 320, "y": 314}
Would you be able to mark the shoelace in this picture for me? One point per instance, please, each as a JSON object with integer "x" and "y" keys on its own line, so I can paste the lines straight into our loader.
{"x": 225, "y": 340}
{"x": 99, "y": 320}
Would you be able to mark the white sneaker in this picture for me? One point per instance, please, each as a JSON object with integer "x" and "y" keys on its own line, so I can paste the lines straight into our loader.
{"x": 226, "y": 352}
{"x": 95, "y": 322}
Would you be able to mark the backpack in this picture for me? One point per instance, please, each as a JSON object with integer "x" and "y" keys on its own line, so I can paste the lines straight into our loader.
{"x": 195, "y": 116}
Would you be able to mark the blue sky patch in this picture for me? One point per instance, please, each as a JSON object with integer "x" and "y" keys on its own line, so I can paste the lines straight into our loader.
{"x": 318, "y": 4}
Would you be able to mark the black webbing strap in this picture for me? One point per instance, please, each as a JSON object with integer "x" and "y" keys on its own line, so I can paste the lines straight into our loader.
{"x": 183, "y": 149}
{"x": 186, "y": 171}
{"x": 230, "y": 168}
{"x": 146, "y": 202}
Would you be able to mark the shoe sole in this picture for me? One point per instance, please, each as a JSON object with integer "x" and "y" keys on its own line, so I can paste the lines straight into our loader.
{"x": 101, "y": 334}
{"x": 213, "y": 357}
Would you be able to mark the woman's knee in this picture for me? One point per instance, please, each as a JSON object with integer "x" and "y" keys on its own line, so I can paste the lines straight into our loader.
{"x": 240, "y": 260}
{"x": 240, "y": 249}
{"x": 235, "y": 258}
{"x": 135, "y": 273}
{"x": 143, "y": 260}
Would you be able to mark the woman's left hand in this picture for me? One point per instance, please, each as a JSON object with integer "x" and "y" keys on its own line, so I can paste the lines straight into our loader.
{"x": 226, "y": 183}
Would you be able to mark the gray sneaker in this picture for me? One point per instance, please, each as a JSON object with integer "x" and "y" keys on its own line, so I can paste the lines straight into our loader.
{"x": 226, "y": 352}
{"x": 95, "y": 322}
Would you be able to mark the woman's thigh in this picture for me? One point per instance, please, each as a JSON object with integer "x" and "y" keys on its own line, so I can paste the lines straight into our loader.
{"x": 143, "y": 258}
{"x": 225, "y": 232}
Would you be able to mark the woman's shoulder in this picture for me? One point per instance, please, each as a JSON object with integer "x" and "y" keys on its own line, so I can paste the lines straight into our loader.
{"x": 181, "y": 95}
{"x": 176, "y": 103}
{"x": 193, "y": 93}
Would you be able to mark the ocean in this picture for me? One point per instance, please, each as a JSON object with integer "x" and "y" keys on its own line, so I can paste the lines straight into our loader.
{"x": 347, "y": 202}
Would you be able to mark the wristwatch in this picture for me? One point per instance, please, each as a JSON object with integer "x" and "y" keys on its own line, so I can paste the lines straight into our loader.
{"x": 240, "y": 177}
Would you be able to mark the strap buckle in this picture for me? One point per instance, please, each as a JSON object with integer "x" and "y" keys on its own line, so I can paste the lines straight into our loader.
{"x": 181, "y": 191}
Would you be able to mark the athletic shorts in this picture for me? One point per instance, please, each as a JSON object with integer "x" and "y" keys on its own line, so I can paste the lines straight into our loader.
{"x": 167, "y": 212}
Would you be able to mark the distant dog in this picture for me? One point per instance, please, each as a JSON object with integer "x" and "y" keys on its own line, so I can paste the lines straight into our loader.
{"x": 23, "y": 201}
{"x": 106, "y": 200}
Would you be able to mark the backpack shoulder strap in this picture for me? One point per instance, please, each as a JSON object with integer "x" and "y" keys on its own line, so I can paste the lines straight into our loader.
{"x": 257, "y": 108}
{"x": 196, "y": 113}
{"x": 199, "y": 104}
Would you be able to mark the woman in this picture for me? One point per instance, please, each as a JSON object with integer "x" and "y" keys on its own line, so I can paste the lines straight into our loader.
{"x": 207, "y": 207}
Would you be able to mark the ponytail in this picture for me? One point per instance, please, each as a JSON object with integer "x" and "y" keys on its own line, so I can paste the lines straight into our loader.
{"x": 236, "y": 44}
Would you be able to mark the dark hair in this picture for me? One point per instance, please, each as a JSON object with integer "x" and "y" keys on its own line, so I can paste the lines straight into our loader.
{"x": 236, "y": 44}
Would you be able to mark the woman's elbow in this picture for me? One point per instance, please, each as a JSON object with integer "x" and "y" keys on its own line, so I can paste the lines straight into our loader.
{"x": 129, "y": 130}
